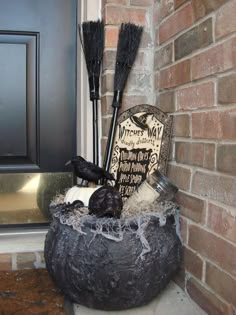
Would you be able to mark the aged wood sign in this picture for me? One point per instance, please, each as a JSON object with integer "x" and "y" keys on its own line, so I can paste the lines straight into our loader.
{"x": 141, "y": 146}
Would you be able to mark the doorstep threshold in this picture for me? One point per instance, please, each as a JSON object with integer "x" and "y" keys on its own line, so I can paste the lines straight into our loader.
{"x": 19, "y": 241}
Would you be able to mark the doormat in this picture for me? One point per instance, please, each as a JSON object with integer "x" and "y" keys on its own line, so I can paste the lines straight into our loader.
{"x": 26, "y": 292}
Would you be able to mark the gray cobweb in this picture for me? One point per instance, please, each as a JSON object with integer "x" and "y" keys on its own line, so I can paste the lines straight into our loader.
{"x": 114, "y": 229}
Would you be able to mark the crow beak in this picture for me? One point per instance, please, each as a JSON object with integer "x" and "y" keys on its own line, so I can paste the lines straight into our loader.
{"x": 68, "y": 163}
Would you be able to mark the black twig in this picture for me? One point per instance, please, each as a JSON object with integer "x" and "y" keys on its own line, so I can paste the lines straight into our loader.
{"x": 92, "y": 40}
{"x": 128, "y": 43}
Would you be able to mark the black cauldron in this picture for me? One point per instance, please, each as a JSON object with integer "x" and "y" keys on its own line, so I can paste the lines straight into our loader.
{"x": 105, "y": 274}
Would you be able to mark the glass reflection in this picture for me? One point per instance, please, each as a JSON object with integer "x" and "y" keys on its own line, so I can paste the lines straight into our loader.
{"x": 24, "y": 198}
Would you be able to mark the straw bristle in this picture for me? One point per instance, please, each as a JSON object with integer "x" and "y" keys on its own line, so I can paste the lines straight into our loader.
{"x": 128, "y": 43}
{"x": 92, "y": 40}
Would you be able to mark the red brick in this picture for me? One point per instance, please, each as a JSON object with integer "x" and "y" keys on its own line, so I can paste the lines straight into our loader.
{"x": 206, "y": 125}
{"x": 183, "y": 229}
{"x": 221, "y": 283}
{"x": 222, "y": 222}
{"x": 213, "y": 248}
{"x": 106, "y": 107}
{"x": 103, "y": 146}
{"x": 209, "y": 156}
{"x": 215, "y": 187}
{"x": 181, "y": 125}
{"x": 178, "y": 3}
{"x": 228, "y": 123}
{"x": 166, "y": 8}
{"x": 142, "y": 3}
{"x": 177, "y": 22}
{"x": 193, "y": 263}
{"x": 191, "y": 207}
{"x": 25, "y": 261}
{"x": 216, "y": 59}
{"x": 180, "y": 176}
{"x": 189, "y": 153}
{"x": 105, "y": 126}
{"x": 208, "y": 62}
{"x": 197, "y": 37}
{"x": 175, "y": 75}
{"x": 205, "y": 299}
{"x": 171, "y": 151}
{"x": 5, "y": 262}
{"x": 142, "y": 61}
{"x": 226, "y": 158}
{"x": 111, "y": 37}
{"x": 107, "y": 83}
{"x": 199, "y": 154}
{"x": 117, "y": 1}
{"x": 163, "y": 56}
{"x": 204, "y": 7}
{"x": 129, "y": 101}
{"x": 225, "y": 20}
{"x": 117, "y": 15}
{"x": 226, "y": 89}
{"x": 214, "y": 125}
{"x": 166, "y": 102}
{"x": 109, "y": 59}
{"x": 195, "y": 97}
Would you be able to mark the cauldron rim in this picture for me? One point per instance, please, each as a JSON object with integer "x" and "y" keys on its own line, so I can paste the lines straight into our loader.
{"x": 92, "y": 221}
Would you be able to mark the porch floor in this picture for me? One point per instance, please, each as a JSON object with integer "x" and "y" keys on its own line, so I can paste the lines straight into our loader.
{"x": 26, "y": 292}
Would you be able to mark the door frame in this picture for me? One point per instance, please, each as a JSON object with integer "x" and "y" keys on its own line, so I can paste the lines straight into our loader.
{"x": 87, "y": 10}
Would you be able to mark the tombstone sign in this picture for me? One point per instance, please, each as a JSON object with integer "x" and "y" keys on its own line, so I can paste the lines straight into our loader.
{"x": 141, "y": 146}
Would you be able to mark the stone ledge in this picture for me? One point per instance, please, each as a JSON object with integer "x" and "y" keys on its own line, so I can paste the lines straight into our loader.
{"x": 172, "y": 301}
{"x": 25, "y": 241}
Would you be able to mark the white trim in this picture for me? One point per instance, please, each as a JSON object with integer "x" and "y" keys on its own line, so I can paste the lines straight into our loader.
{"x": 22, "y": 242}
{"x": 87, "y": 10}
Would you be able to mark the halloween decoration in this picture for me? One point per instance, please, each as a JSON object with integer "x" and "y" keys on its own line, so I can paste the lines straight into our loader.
{"x": 161, "y": 209}
{"x": 156, "y": 187}
{"x": 141, "y": 146}
{"x": 75, "y": 204}
{"x": 81, "y": 193}
{"x": 107, "y": 256}
{"x": 64, "y": 207}
{"x": 88, "y": 171}
{"x": 92, "y": 41}
{"x": 111, "y": 264}
{"x": 128, "y": 43}
{"x": 106, "y": 201}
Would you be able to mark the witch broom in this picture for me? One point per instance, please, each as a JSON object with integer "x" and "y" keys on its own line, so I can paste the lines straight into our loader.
{"x": 92, "y": 40}
{"x": 128, "y": 43}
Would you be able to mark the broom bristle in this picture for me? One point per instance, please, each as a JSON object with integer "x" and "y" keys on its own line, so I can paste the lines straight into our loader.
{"x": 92, "y": 40}
{"x": 128, "y": 43}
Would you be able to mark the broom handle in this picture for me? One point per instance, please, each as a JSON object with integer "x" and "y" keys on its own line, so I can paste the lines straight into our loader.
{"x": 110, "y": 141}
{"x": 95, "y": 132}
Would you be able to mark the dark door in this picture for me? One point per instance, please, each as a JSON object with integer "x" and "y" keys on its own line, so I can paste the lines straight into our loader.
{"x": 37, "y": 84}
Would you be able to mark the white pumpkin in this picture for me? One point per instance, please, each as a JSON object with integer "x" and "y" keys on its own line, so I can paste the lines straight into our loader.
{"x": 80, "y": 193}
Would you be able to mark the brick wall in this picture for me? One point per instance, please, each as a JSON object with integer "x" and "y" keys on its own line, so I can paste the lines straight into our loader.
{"x": 20, "y": 261}
{"x": 140, "y": 88}
{"x": 187, "y": 67}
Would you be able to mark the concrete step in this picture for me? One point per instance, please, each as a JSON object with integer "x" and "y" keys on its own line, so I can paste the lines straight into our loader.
{"x": 172, "y": 301}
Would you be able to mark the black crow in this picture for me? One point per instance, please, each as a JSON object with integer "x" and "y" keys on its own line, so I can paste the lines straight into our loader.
{"x": 88, "y": 170}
